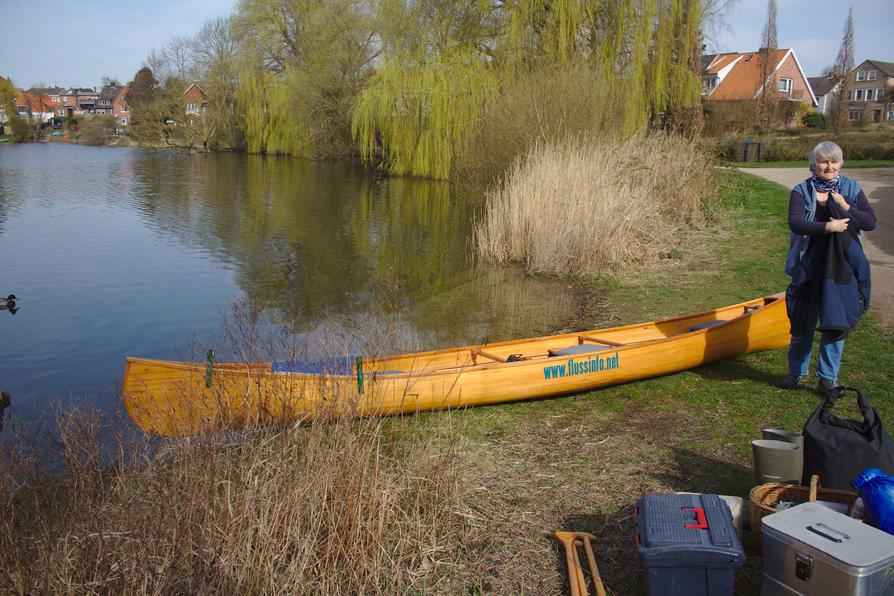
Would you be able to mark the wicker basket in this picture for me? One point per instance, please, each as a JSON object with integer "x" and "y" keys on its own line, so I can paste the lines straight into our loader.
{"x": 763, "y": 496}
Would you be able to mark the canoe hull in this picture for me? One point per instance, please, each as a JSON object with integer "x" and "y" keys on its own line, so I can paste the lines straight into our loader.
{"x": 172, "y": 399}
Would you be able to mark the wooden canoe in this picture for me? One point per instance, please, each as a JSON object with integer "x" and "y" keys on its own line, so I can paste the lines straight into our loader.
{"x": 181, "y": 398}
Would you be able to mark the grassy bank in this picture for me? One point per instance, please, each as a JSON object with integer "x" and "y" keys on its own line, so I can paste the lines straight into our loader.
{"x": 580, "y": 462}
{"x": 448, "y": 502}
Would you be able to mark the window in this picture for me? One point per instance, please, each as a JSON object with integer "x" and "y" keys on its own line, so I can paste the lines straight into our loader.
{"x": 124, "y": 121}
{"x": 785, "y": 86}
{"x": 869, "y": 95}
{"x": 858, "y": 95}
{"x": 870, "y": 76}
{"x": 861, "y": 76}
{"x": 854, "y": 115}
{"x": 879, "y": 94}
{"x": 123, "y": 108}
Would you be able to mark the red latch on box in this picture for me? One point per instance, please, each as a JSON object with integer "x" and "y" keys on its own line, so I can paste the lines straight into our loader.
{"x": 699, "y": 517}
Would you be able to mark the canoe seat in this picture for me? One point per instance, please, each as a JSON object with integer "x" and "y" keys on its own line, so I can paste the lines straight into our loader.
{"x": 336, "y": 365}
{"x": 707, "y": 325}
{"x": 577, "y": 349}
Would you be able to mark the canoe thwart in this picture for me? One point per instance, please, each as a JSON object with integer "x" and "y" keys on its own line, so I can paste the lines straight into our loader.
{"x": 598, "y": 340}
{"x": 476, "y": 353}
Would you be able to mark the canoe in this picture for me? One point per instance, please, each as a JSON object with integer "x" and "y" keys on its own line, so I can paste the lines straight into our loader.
{"x": 183, "y": 398}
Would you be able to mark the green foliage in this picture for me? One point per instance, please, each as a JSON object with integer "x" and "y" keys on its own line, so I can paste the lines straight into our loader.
{"x": 417, "y": 114}
{"x": 143, "y": 90}
{"x": 301, "y": 65}
{"x": 97, "y": 130}
{"x": 639, "y": 55}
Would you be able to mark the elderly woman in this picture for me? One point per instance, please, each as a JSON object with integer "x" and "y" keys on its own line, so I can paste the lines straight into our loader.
{"x": 830, "y": 273}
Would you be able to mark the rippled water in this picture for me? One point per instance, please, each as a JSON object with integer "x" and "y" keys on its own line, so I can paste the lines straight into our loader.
{"x": 117, "y": 252}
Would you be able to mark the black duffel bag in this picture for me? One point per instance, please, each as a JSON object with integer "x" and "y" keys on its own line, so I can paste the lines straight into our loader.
{"x": 839, "y": 449}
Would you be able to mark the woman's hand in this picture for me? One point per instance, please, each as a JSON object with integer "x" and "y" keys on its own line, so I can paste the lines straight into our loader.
{"x": 839, "y": 200}
{"x": 836, "y": 225}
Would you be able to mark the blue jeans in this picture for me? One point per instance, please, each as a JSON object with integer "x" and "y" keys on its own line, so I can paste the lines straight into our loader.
{"x": 802, "y": 344}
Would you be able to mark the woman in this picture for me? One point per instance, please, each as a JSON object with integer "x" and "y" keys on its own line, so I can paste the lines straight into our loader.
{"x": 830, "y": 273}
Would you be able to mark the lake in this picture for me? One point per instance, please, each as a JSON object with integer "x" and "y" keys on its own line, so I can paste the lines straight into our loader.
{"x": 116, "y": 251}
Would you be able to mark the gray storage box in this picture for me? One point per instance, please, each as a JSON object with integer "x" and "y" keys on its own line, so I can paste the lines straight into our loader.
{"x": 812, "y": 550}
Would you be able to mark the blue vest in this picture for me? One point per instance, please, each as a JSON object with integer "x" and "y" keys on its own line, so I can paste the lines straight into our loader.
{"x": 849, "y": 189}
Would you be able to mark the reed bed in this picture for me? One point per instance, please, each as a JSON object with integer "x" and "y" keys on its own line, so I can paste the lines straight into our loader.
{"x": 343, "y": 506}
{"x": 334, "y": 508}
{"x": 592, "y": 206}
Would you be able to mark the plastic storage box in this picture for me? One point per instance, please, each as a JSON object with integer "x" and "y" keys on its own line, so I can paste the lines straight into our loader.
{"x": 687, "y": 544}
{"x": 813, "y": 550}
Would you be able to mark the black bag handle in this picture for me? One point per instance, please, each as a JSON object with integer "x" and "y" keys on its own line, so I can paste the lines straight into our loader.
{"x": 869, "y": 415}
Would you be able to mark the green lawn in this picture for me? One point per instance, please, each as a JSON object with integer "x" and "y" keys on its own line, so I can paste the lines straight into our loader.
{"x": 856, "y": 163}
{"x": 580, "y": 462}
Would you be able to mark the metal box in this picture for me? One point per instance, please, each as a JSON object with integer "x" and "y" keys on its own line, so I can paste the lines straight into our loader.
{"x": 813, "y": 550}
{"x": 687, "y": 544}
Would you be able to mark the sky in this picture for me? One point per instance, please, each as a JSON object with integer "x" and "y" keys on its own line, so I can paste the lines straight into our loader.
{"x": 813, "y": 29}
{"x": 78, "y": 43}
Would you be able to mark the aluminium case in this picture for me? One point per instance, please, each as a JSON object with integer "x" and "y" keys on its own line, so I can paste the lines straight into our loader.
{"x": 812, "y": 550}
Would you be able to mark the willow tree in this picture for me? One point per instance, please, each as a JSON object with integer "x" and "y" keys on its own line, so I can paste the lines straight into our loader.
{"x": 302, "y": 63}
{"x": 427, "y": 94}
{"x": 640, "y": 51}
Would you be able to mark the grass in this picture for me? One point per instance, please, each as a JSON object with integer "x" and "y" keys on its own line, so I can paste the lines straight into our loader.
{"x": 454, "y": 502}
{"x": 581, "y": 462}
{"x": 850, "y": 164}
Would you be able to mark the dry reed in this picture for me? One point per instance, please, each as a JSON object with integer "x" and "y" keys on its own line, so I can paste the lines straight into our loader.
{"x": 595, "y": 206}
{"x": 335, "y": 508}
{"x": 346, "y": 506}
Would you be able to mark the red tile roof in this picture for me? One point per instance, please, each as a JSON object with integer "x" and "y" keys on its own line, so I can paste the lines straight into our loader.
{"x": 35, "y": 102}
{"x": 744, "y": 80}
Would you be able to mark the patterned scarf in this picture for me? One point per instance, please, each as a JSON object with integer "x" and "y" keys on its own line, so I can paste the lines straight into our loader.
{"x": 823, "y": 185}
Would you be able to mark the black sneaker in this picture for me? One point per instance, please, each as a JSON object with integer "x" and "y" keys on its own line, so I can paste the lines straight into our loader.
{"x": 793, "y": 382}
{"x": 827, "y": 387}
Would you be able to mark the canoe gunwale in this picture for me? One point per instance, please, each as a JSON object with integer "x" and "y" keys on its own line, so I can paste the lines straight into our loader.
{"x": 258, "y": 369}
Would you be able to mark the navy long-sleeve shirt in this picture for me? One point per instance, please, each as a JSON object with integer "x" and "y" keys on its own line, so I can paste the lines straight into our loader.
{"x": 860, "y": 213}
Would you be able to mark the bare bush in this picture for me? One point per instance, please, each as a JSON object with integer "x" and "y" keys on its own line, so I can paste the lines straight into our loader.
{"x": 592, "y": 206}
{"x": 342, "y": 506}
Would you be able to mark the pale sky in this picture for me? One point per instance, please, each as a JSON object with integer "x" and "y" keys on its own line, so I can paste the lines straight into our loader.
{"x": 76, "y": 43}
{"x": 813, "y": 29}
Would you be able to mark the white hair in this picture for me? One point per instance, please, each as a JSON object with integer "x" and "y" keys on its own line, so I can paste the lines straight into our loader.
{"x": 825, "y": 150}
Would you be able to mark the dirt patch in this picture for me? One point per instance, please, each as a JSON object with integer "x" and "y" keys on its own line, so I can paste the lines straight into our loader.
{"x": 579, "y": 471}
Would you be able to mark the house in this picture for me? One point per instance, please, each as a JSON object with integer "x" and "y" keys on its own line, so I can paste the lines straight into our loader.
{"x": 120, "y": 109}
{"x": 33, "y": 105}
{"x": 870, "y": 93}
{"x": 105, "y": 99}
{"x": 735, "y": 76}
{"x": 196, "y": 100}
{"x": 86, "y": 99}
{"x": 823, "y": 89}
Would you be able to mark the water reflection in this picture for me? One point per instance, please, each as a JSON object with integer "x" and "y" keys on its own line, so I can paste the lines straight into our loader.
{"x": 129, "y": 252}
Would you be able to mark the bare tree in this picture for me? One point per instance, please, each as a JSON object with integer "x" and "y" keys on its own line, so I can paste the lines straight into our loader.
{"x": 844, "y": 64}
{"x": 768, "y": 37}
{"x": 766, "y": 100}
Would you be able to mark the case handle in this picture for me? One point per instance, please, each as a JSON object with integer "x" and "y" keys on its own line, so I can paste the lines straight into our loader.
{"x": 701, "y": 520}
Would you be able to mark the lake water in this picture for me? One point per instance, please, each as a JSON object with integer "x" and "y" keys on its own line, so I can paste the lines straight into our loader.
{"x": 115, "y": 252}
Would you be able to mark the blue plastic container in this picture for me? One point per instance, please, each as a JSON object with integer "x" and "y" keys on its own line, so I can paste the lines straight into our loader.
{"x": 687, "y": 545}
